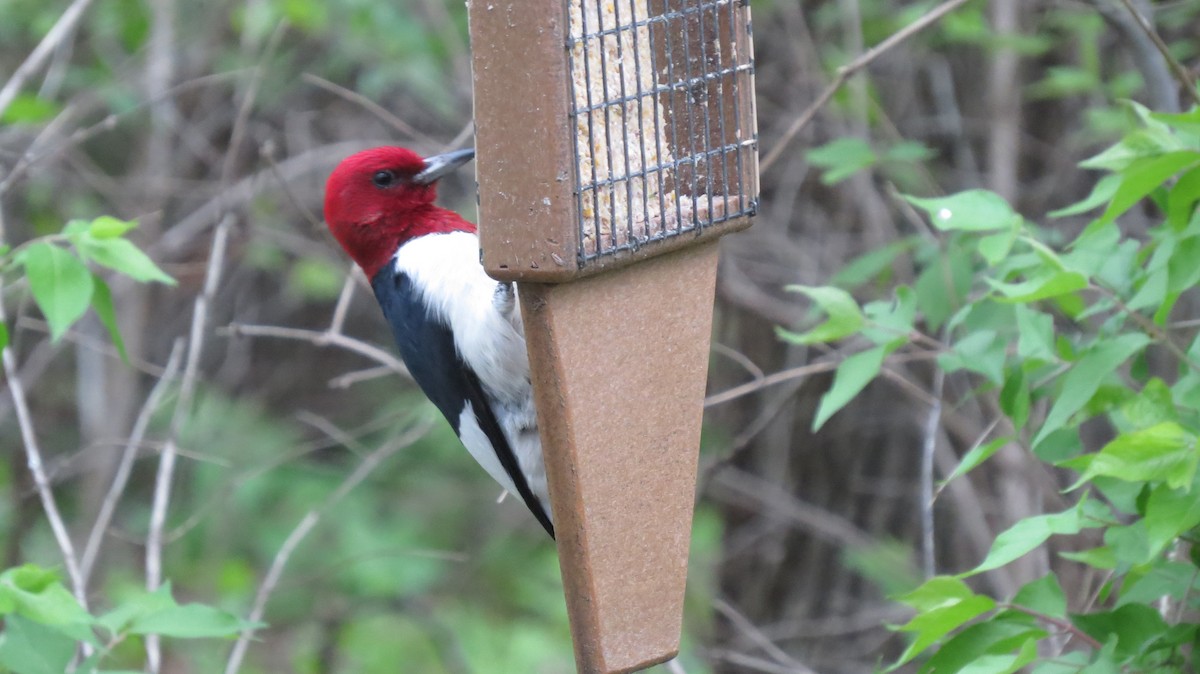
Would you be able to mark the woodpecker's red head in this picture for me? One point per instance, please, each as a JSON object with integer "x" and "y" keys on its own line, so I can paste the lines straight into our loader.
{"x": 380, "y": 198}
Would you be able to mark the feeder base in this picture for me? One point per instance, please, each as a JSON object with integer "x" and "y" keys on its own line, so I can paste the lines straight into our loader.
{"x": 619, "y": 362}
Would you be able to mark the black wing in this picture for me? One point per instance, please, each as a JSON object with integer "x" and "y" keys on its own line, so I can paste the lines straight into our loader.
{"x": 426, "y": 345}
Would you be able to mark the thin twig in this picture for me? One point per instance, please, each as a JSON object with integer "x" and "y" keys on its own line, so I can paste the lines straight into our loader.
{"x": 756, "y": 635}
{"x": 125, "y": 467}
{"x": 37, "y": 468}
{"x": 187, "y": 388}
{"x": 370, "y": 106}
{"x": 302, "y": 529}
{"x": 248, "y": 99}
{"x": 59, "y": 32}
{"x": 796, "y": 373}
{"x": 769, "y": 380}
{"x": 847, "y": 71}
{"x": 108, "y": 123}
{"x": 1065, "y": 625}
{"x": 343, "y": 302}
{"x": 267, "y": 152}
{"x": 1177, "y": 69}
{"x": 349, "y": 379}
{"x": 932, "y": 422}
{"x": 320, "y": 338}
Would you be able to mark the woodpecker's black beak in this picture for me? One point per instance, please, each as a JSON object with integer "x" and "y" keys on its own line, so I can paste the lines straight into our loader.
{"x": 441, "y": 164}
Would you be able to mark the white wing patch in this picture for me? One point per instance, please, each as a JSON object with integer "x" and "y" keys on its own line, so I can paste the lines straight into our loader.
{"x": 490, "y": 338}
{"x": 477, "y": 443}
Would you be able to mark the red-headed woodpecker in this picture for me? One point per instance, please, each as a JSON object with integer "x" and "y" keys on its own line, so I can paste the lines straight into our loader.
{"x": 458, "y": 330}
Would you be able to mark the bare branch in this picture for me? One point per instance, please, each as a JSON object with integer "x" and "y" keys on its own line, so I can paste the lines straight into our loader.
{"x": 59, "y": 32}
{"x": 850, "y": 69}
{"x": 187, "y": 387}
{"x": 1177, "y": 69}
{"x": 743, "y": 625}
{"x": 932, "y": 423}
{"x": 33, "y": 457}
{"x": 302, "y": 529}
{"x": 121, "y": 478}
{"x": 321, "y": 339}
{"x": 371, "y": 107}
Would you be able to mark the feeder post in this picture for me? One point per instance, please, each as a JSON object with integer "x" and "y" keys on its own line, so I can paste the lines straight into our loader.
{"x": 615, "y": 142}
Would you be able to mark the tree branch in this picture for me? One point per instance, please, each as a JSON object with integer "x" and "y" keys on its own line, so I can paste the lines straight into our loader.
{"x": 59, "y": 32}
{"x": 847, "y": 71}
{"x": 302, "y": 529}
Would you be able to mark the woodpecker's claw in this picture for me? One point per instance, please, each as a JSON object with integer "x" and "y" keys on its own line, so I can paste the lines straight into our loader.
{"x": 441, "y": 164}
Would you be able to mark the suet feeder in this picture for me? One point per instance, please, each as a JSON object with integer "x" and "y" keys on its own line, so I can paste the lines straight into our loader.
{"x": 615, "y": 142}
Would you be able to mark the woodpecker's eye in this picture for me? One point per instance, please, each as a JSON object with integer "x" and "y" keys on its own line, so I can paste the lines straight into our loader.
{"x": 383, "y": 179}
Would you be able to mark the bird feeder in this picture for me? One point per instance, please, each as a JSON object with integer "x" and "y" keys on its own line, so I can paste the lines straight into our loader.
{"x": 615, "y": 142}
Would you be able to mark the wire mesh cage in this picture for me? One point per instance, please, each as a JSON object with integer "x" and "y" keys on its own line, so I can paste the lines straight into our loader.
{"x": 643, "y": 115}
{"x": 661, "y": 147}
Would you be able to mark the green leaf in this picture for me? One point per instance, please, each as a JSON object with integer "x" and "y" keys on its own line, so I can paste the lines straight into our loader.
{"x": 1035, "y": 334}
{"x": 121, "y": 255}
{"x": 1179, "y": 120}
{"x": 1153, "y": 404}
{"x": 108, "y": 227}
{"x": 993, "y": 248}
{"x": 1040, "y": 287}
{"x": 1182, "y": 272}
{"x": 103, "y": 305}
{"x": 191, "y": 621}
{"x": 991, "y": 637}
{"x": 135, "y": 607}
{"x": 930, "y": 625}
{"x": 1029, "y": 533}
{"x": 1015, "y": 398}
{"x": 316, "y": 279}
{"x": 1169, "y": 514}
{"x": 1085, "y": 376}
{"x": 1163, "y": 579}
{"x": 844, "y": 316}
{"x": 977, "y": 455}
{"x": 971, "y": 211}
{"x": 1163, "y": 452}
{"x": 1043, "y": 595}
{"x": 980, "y": 351}
{"x": 943, "y": 285}
{"x": 1061, "y": 81}
{"x": 851, "y": 376}
{"x": 1134, "y": 625}
{"x": 1181, "y": 199}
{"x": 1102, "y": 557}
{"x": 887, "y": 319}
{"x": 60, "y": 283}
{"x": 1103, "y": 191}
{"x": 29, "y": 109}
{"x": 158, "y": 613}
{"x": 871, "y": 264}
{"x": 1074, "y": 662}
{"x": 936, "y": 592}
{"x": 31, "y": 648}
{"x": 1004, "y": 663}
{"x": 908, "y": 151}
{"x": 1153, "y": 291}
{"x": 39, "y": 595}
{"x": 1136, "y": 145}
{"x": 3, "y": 336}
{"x": 1145, "y": 175}
{"x": 841, "y": 158}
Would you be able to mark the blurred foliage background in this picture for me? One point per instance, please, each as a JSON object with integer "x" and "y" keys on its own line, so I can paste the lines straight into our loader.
{"x": 176, "y": 113}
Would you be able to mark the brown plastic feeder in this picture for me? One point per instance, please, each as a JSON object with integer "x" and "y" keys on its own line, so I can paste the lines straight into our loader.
{"x": 615, "y": 142}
